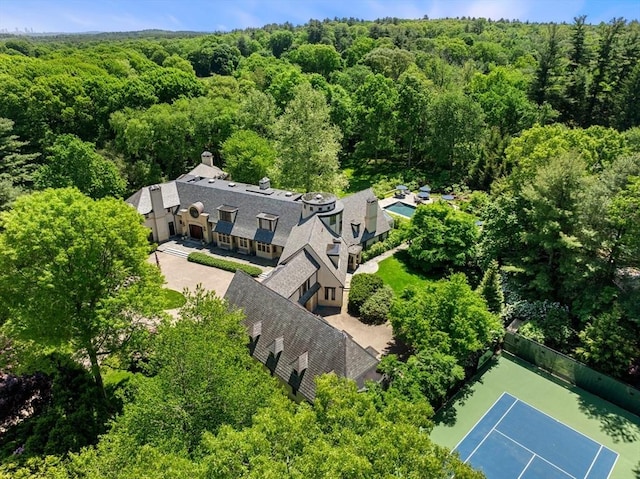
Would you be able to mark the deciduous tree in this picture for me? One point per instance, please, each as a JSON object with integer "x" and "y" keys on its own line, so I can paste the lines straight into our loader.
{"x": 442, "y": 237}
{"x": 307, "y": 145}
{"x": 73, "y": 162}
{"x": 75, "y": 275}
{"x": 247, "y": 156}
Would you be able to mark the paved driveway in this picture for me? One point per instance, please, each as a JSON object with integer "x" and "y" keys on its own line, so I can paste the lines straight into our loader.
{"x": 180, "y": 274}
{"x": 379, "y": 337}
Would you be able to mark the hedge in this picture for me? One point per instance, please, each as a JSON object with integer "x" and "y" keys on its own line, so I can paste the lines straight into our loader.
{"x": 399, "y": 235}
{"x": 224, "y": 264}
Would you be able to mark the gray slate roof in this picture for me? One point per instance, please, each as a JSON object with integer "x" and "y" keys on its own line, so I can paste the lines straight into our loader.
{"x": 355, "y": 208}
{"x": 329, "y": 349}
{"x": 286, "y": 279}
{"x": 313, "y": 235}
{"x": 250, "y": 201}
{"x": 141, "y": 199}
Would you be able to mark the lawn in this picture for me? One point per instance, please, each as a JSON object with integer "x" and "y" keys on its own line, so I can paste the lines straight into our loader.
{"x": 395, "y": 272}
{"x": 172, "y": 299}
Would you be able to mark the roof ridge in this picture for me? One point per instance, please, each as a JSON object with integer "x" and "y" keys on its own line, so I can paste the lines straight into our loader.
{"x": 295, "y": 303}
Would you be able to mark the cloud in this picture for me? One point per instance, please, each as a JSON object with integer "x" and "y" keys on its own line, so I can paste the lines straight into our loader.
{"x": 174, "y": 21}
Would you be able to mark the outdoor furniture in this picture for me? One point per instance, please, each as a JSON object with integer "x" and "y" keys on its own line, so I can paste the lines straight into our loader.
{"x": 401, "y": 191}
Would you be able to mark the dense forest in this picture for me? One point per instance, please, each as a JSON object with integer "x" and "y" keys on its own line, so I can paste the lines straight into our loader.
{"x": 535, "y": 128}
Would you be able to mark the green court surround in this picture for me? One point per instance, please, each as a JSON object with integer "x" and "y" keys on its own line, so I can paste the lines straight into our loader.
{"x": 604, "y": 422}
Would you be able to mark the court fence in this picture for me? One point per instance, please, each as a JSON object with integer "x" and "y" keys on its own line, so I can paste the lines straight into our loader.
{"x": 617, "y": 392}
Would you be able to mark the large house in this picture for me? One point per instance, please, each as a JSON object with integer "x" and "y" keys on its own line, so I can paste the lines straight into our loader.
{"x": 314, "y": 237}
{"x": 294, "y": 344}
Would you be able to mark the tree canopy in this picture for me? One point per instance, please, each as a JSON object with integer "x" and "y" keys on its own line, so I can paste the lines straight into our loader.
{"x": 75, "y": 275}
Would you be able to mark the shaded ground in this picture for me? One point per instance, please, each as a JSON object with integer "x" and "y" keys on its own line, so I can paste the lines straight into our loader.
{"x": 378, "y": 337}
{"x": 598, "y": 419}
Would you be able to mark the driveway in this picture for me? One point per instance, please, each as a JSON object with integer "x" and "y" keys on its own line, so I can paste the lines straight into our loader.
{"x": 378, "y": 337}
{"x": 180, "y": 274}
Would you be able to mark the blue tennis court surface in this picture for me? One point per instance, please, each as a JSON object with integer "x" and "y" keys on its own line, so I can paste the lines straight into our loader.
{"x": 516, "y": 441}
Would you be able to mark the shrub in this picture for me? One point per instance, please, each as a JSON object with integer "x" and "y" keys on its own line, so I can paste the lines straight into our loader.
{"x": 532, "y": 330}
{"x": 397, "y": 236}
{"x": 375, "y": 309}
{"x": 224, "y": 264}
{"x": 546, "y": 322}
{"x": 362, "y": 288}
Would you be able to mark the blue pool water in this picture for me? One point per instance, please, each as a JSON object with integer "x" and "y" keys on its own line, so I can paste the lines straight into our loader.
{"x": 401, "y": 208}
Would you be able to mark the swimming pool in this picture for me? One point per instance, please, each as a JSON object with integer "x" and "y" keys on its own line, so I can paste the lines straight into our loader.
{"x": 401, "y": 208}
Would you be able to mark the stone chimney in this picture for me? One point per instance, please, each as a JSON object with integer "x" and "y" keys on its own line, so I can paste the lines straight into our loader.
{"x": 207, "y": 158}
{"x": 157, "y": 205}
{"x": 371, "y": 215}
{"x": 159, "y": 221}
{"x": 265, "y": 183}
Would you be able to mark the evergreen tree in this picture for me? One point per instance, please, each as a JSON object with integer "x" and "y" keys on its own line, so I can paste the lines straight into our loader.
{"x": 491, "y": 289}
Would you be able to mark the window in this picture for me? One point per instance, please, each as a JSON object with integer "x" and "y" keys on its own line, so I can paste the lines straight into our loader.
{"x": 329, "y": 294}
{"x": 263, "y": 247}
{"x": 227, "y": 213}
{"x": 224, "y": 238}
{"x": 305, "y": 287}
{"x": 267, "y": 222}
{"x": 243, "y": 243}
{"x": 264, "y": 224}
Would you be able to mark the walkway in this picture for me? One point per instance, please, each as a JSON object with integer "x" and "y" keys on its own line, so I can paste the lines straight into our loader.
{"x": 371, "y": 266}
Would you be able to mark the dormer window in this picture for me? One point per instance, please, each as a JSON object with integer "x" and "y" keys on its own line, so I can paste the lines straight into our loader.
{"x": 277, "y": 346}
{"x": 267, "y": 221}
{"x": 355, "y": 228}
{"x": 227, "y": 213}
{"x": 302, "y": 363}
{"x": 256, "y": 330}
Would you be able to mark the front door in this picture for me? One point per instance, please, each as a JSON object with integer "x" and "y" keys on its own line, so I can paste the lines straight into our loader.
{"x": 195, "y": 231}
{"x": 172, "y": 229}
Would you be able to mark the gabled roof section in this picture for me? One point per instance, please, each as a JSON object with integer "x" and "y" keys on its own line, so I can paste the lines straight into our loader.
{"x": 206, "y": 171}
{"x": 355, "y": 210}
{"x": 287, "y": 278}
{"x": 250, "y": 202}
{"x": 314, "y": 236}
{"x": 328, "y": 349}
{"x": 141, "y": 199}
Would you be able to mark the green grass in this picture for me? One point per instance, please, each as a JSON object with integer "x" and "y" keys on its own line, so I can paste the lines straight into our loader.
{"x": 172, "y": 299}
{"x": 395, "y": 272}
{"x": 598, "y": 419}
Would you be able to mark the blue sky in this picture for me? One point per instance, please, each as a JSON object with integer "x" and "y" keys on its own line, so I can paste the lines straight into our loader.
{"x": 214, "y": 15}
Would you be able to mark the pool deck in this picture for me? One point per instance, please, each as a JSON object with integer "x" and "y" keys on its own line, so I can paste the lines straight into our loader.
{"x": 409, "y": 199}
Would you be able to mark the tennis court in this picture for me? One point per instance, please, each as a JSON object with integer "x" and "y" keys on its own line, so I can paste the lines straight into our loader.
{"x": 514, "y": 440}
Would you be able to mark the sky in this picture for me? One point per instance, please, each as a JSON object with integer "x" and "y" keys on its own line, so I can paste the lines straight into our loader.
{"x": 73, "y": 16}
